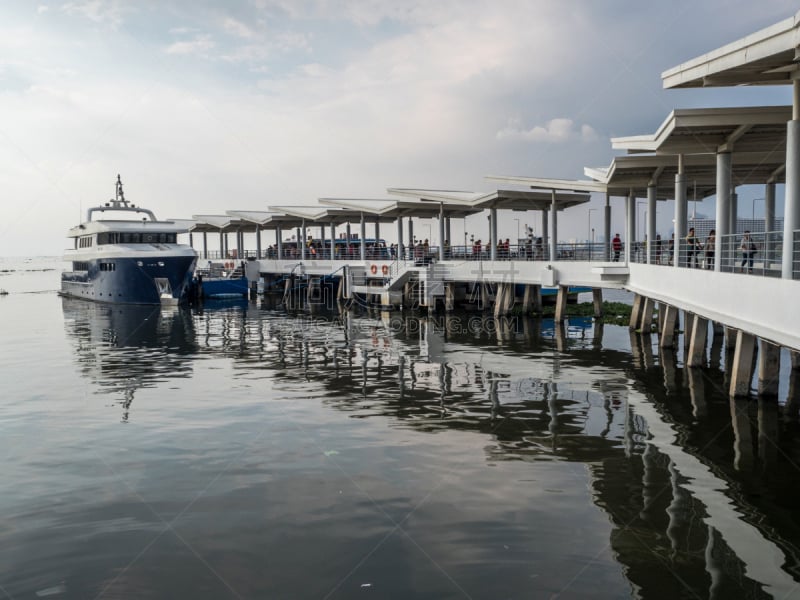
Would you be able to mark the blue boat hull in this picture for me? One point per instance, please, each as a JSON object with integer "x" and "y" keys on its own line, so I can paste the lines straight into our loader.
{"x": 134, "y": 280}
{"x": 224, "y": 288}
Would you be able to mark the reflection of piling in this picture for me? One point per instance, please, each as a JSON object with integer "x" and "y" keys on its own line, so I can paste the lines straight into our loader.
{"x": 743, "y": 441}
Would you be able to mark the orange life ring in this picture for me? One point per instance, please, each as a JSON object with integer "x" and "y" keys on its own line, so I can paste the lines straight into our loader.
{"x": 373, "y": 269}
{"x": 385, "y": 269}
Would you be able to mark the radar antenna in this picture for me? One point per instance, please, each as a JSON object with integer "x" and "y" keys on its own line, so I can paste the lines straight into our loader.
{"x": 120, "y": 199}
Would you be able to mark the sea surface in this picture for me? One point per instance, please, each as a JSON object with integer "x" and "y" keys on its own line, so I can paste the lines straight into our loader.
{"x": 236, "y": 451}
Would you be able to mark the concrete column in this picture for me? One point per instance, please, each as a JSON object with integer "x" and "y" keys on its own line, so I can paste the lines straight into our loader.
{"x": 630, "y": 225}
{"x": 636, "y": 312}
{"x": 697, "y": 344}
{"x": 607, "y": 226}
{"x": 687, "y": 330}
{"x": 730, "y": 338}
{"x": 722, "y": 206}
{"x": 769, "y": 224}
{"x": 400, "y": 254}
{"x": 769, "y": 206}
{"x": 333, "y": 241}
{"x": 537, "y": 300}
{"x": 545, "y": 232}
{"x": 597, "y": 302}
{"x": 667, "y": 339}
{"x": 205, "y": 245}
{"x": 742, "y": 372}
{"x": 258, "y": 241}
{"x": 504, "y": 299}
{"x": 769, "y": 366}
{"x": 794, "y": 356}
{"x": 681, "y": 208}
{"x": 734, "y": 210}
{"x": 302, "y": 240}
{"x": 561, "y": 304}
{"x": 493, "y": 233}
{"x": 652, "y": 192}
{"x": 554, "y": 227}
{"x": 447, "y": 232}
{"x": 527, "y": 299}
{"x": 377, "y": 230}
{"x": 279, "y": 241}
{"x": 222, "y": 246}
{"x": 441, "y": 231}
{"x": 363, "y": 233}
{"x": 646, "y": 320}
{"x": 791, "y": 210}
{"x": 410, "y": 237}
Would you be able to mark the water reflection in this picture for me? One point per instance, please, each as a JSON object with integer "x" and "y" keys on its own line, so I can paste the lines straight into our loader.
{"x": 698, "y": 490}
{"x": 123, "y": 348}
{"x": 673, "y": 461}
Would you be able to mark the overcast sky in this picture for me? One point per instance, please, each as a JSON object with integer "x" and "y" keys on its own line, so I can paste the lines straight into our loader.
{"x": 207, "y": 106}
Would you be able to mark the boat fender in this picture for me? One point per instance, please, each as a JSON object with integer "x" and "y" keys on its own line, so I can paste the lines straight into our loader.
{"x": 385, "y": 270}
{"x": 373, "y": 269}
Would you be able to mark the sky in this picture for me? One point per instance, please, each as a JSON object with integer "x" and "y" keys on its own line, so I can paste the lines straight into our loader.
{"x": 206, "y": 106}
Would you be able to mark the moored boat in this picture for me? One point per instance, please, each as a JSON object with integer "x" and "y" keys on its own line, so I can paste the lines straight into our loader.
{"x": 122, "y": 254}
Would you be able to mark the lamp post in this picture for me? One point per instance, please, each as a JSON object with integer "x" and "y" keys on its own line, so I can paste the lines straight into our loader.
{"x": 753, "y": 208}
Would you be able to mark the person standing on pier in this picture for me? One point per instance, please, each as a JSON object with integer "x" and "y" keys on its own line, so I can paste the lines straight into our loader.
{"x": 748, "y": 247}
{"x": 692, "y": 247}
{"x": 711, "y": 240}
{"x": 616, "y": 245}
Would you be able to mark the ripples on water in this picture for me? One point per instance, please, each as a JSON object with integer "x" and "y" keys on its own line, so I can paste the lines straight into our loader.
{"x": 236, "y": 451}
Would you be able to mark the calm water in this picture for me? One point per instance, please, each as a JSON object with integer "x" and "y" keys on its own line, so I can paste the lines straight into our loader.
{"x": 239, "y": 452}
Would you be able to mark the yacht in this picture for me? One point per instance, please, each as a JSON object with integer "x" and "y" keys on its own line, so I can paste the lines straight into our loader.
{"x": 123, "y": 254}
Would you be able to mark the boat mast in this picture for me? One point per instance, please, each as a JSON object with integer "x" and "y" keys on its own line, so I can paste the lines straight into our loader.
{"x": 120, "y": 201}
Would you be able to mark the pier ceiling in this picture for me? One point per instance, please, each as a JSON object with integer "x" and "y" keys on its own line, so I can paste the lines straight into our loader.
{"x": 637, "y": 172}
{"x": 499, "y": 199}
{"x": 390, "y": 209}
{"x": 766, "y": 57}
{"x": 710, "y": 130}
{"x": 223, "y": 223}
{"x": 326, "y": 214}
{"x": 559, "y": 185}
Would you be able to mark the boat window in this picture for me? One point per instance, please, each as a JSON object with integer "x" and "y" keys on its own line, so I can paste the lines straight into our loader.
{"x": 80, "y": 266}
{"x": 108, "y": 266}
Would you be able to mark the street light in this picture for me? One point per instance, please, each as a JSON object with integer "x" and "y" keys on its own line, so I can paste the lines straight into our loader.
{"x": 590, "y": 222}
{"x": 754, "y": 207}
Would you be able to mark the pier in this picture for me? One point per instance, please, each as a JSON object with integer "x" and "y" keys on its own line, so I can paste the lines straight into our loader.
{"x": 709, "y": 290}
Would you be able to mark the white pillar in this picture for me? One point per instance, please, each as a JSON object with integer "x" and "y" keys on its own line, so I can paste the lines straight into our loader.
{"x": 400, "y": 238}
{"x": 791, "y": 210}
{"x": 363, "y": 233}
{"x": 651, "y": 223}
{"x": 302, "y": 240}
{"x": 723, "y": 205}
{"x": 441, "y": 231}
{"x": 630, "y": 225}
{"x": 333, "y": 240}
{"x": 205, "y": 245}
{"x": 545, "y": 231}
{"x": 411, "y": 235}
{"x": 279, "y": 241}
{"x": 554, "y": 227}
{"x": 681, "y": 208}
{"x": 734, "y": 216}
{"x": 607, "y": 226}
{"x": 493, "y": 233}
{"x": 258, "y": 242}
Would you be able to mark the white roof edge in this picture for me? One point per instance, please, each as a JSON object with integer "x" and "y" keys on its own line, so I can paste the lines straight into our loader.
{"x": 775, "y": 38}
{"x": 564, "y": 185}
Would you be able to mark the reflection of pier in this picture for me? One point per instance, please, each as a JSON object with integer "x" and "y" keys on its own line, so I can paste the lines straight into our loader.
{"x": 678, "y": 483}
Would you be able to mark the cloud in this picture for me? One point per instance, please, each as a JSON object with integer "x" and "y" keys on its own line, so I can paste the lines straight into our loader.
{"x": 199, "y": 45}
{"x": 556, "y": 131}
{"x": 106, "y": 12}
